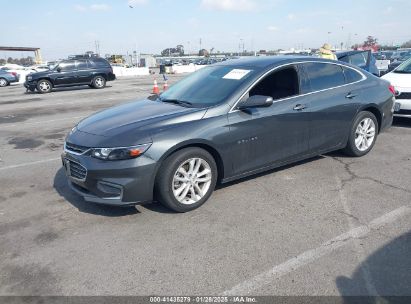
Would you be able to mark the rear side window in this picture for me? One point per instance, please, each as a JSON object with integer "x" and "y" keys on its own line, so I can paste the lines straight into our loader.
{"x": 81, "y": 65}
{"x": 99, "y": 63}
{"x": 351, "y": 75}
{"x": 324, "y": 75}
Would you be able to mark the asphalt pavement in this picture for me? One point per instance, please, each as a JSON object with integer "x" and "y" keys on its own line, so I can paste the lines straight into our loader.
{"x": 331, "y": 225}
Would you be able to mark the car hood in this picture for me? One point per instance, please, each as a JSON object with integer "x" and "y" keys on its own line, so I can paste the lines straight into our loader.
{"x": 40, "y": 74}
{"x": 137, "y": 116}
{"x": 400, "y": 81}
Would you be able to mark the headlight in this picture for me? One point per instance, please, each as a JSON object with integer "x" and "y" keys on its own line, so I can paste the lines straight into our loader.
{"x": 29, "y": 78}
{"x": 119, "y": 153}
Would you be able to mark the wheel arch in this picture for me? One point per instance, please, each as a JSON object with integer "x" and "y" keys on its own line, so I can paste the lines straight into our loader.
{"x": 7, "y": 82}
{"x": 205, "y": 145}
{"x": 45, "y": 78}
{"x": 374, "y": 109}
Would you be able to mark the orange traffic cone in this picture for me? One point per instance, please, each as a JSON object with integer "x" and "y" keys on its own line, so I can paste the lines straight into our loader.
{"x": 165, "y": 87}
{"x": 156, "y": 90}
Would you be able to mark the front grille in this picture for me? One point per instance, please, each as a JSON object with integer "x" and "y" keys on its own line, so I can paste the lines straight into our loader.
{"x": 404, "y": 96}
{"x": 76, "y": 170}
{"x": 76, "y": 148}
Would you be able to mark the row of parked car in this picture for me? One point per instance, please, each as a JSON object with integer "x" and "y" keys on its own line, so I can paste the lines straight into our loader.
{"x": 95, "y": 72}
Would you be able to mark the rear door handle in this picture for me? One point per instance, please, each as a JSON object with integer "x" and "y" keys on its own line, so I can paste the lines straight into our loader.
{"x": 350, "y": 96}
{"x": 300, "y": 107}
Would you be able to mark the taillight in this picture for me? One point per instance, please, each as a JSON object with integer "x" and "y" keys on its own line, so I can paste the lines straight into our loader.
{"x": 14, "y": 73}
{"x": 392, "y": 90}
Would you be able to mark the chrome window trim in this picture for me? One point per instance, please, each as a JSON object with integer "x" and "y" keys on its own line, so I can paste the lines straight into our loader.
{"x": 233, "y": 108}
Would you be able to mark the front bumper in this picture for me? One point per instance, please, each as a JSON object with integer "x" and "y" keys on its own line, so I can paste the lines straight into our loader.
{"x": 30, "y": 85}
{"x": 116, "y": 183}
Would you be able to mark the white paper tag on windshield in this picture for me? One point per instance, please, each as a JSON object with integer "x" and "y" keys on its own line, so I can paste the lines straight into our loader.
{"x": 236, "y": 74}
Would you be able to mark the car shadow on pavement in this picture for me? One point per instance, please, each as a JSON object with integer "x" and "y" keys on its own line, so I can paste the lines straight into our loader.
{"x": 63, "y": 89}
{"x": 64, "y": 190}
{"x": 254, "y": 176}
{"x": 386, "y": 272}
{"x": 402, "y": 122}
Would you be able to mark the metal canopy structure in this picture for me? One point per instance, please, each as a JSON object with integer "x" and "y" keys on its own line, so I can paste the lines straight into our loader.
{"x": 36, "y": 51}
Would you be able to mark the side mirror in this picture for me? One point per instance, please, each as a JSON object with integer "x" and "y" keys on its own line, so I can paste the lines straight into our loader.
{"x": 58, "y": 69}
{"x": 256, "y": 101}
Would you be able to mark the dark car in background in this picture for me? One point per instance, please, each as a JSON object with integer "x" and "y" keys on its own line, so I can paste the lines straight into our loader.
{"x": 8, "y": 77}
{"x": 224, "y": 122}
{"x": 94, "y": 72}
{"x": 398, "y": 61}
{"x": 363, "y": 59}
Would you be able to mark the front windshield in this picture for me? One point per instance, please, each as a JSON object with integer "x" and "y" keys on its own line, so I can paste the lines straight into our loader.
{"x": 208, "y": 86}
{"x": 405, "y": 67}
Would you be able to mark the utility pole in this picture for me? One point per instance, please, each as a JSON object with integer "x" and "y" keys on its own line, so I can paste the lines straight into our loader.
{"x": 201, "y": 42}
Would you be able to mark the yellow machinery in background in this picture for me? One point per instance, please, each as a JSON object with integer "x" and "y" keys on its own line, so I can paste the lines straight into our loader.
{"x": 117, "y": 59}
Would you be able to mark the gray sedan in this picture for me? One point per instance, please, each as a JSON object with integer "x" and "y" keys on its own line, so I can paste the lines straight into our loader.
{"x": 8, "y": 77}
{"x": 225, "y": 122}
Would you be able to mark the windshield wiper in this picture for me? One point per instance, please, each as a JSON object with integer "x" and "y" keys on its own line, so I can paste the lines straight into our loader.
{"x": 177, "y": 101}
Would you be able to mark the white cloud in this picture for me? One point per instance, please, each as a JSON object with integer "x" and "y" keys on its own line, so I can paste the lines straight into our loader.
{"x": 291, "y": 16}
{"x": 272, "y": 28}
{"x": 229, "y": 5}
{"x": 389, "y": 10}
{"x": 136, "y": 2}
{"x": 99, "y": 7}
{"x": 93, "y": 7}
{"x": 80, "y": 8}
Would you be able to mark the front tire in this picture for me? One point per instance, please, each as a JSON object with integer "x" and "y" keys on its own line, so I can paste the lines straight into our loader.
{"x": 99, "y": 82}
{"x": 44, "y": 86}
{"x": 363, "y": 134}
{"x": 186, "y": 179}
{"x": 3, "y": 82}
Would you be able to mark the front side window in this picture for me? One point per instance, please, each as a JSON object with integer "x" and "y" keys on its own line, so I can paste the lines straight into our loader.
{"x": 67, "y": 66}
{"x": 279, "y": 84}
{"x": 324, "y": 75}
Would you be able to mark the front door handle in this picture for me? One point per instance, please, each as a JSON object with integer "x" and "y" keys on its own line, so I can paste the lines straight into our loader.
{"x": 350, "y": 96}
{"x": 300, "y": 107}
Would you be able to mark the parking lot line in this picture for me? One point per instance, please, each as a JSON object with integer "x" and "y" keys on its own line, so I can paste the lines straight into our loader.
{"x": 41, "y": 122}
{"x": 309, "y": 256}
{"x": 29, "y": 164}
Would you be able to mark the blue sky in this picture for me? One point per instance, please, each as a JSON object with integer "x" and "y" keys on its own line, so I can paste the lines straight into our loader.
{"x": 62, "y": 27}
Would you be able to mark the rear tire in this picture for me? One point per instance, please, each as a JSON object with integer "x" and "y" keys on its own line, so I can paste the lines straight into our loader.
{"x": 44, "y": 86}
{"x": 99, "y": 82}
{"x": 363, "y": 135}
{"x": 3, "y": 82}
{"x": 186, "y": 180}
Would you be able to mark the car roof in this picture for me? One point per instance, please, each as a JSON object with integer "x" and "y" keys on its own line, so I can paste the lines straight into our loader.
{"x": 268, "y": 61}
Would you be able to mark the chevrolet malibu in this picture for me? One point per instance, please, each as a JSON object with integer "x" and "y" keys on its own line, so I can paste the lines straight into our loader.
{"x": 225, "y": 122}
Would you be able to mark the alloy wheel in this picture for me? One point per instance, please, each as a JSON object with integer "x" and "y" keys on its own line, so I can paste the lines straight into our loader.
{"x": 44, "y": 86}
{"x": 99, "y": 82}
{"x": 3, "y": 82}
{"x": 191, "y": 181}
{"x": 365, "y": 134}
